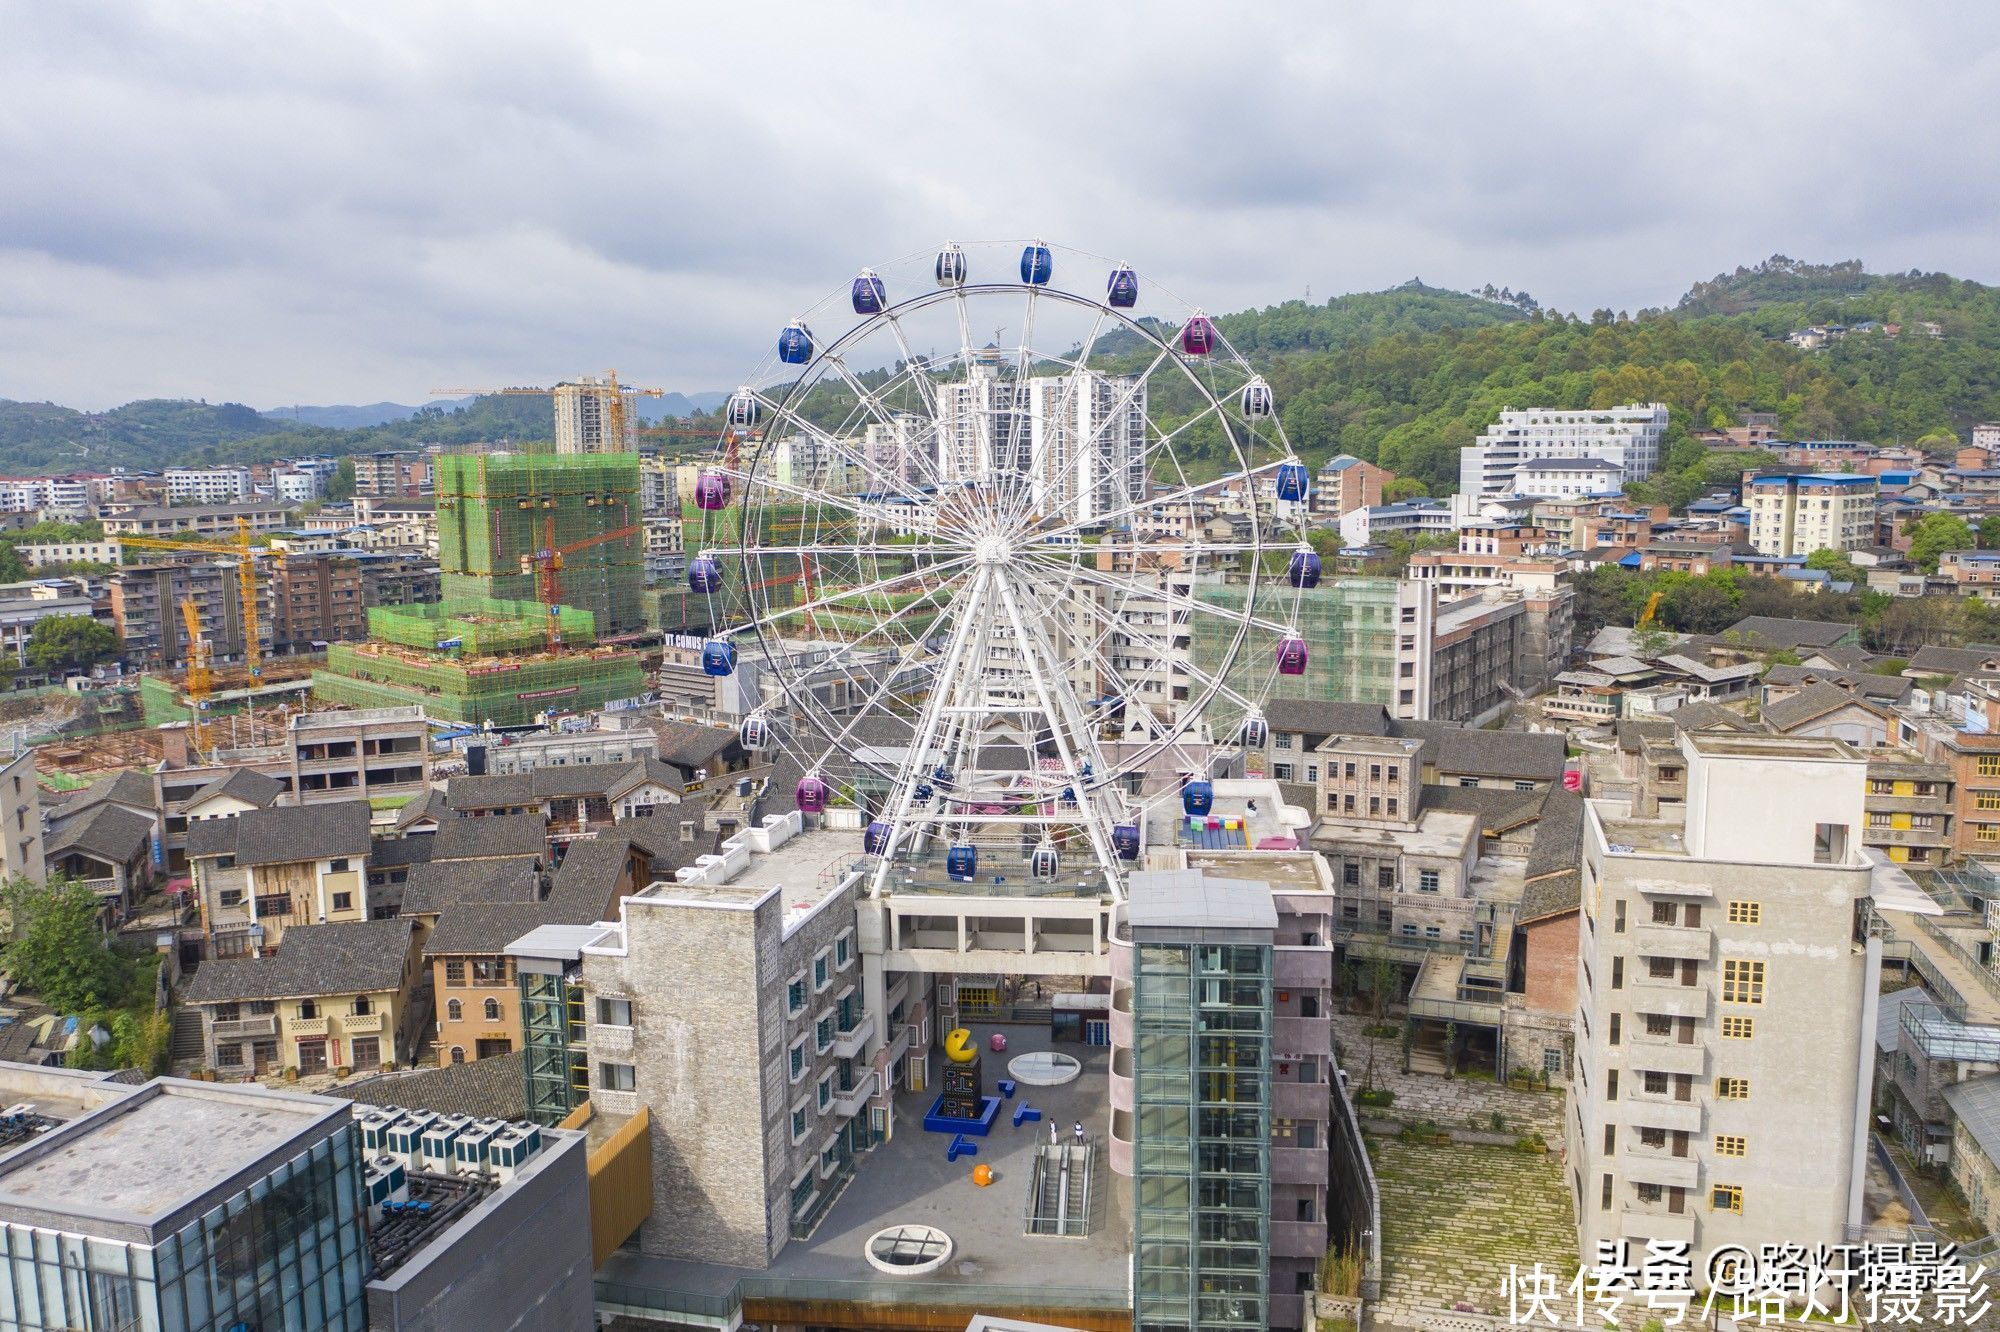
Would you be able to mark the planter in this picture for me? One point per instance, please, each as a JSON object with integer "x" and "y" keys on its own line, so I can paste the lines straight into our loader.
{"x": 1336, "y": 1313}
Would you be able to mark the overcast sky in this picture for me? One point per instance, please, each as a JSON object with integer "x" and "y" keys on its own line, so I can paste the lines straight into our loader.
{"x": 321, "y": 203}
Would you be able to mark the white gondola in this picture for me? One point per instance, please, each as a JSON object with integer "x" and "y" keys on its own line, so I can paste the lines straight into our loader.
{"x": 1045, "y": 863}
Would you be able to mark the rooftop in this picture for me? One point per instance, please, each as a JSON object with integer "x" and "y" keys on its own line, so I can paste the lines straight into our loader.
{"x": 1191, "y": 899}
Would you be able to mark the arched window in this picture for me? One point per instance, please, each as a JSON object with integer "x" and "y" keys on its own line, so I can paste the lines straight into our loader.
{"x": 308, "y": 1009}
{"x": 363, "y": 1005}
{"x": 492, "y": 1010}
{"x": 454, "y": 1010}
{"x": 457, "y": 1054}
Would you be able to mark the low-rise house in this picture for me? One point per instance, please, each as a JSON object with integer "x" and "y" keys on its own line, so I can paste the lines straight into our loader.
{"x": 335, "y": 996}
{"x": 264, "y": 871}
{"x": 572, "y": 798}
{"x": 110, "y": 849}
{"x": 1832, "y": 713}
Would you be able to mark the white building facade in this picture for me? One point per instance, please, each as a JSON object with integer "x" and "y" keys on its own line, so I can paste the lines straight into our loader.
{"x": 1628, "y": 436}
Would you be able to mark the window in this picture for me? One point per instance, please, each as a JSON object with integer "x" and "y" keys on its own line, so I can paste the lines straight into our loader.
{"x": 795, "y": 995}
{"x": 1829, "y": 843}
{"x": 308, "y": 1009}
{"x": 797, "y": 1060}
{"x": 338, "y": 866}
{"x": 843, "y": 949}
{"x": 616, "y": 1077}
{"x": 1604, "y": 1202}
{"x": 492, "y": 1010}
{"x": 1552, "y": 1062}
{"x": 1350, "y": 874}
{"x": 823, "y": 1033}
{"x": 1663, "y": 913}
{"x": 1410, "y": 931}
{"x": 1989, "y": 765}
{"x": 457, "y": 1054}
{"x": 363, "y": 1005}
{"x": 825, "y": 1093}
{"x": 1733, "y": 1089}
{"x": 454, "y": 971}
{"x": 1726, "y": 1198}
{"x": 1650, "y": 1193}
{"x": 1986, "y": 832}
{"x": 799, "y": 1121}
{"x": 1660, "y": 968}
{"x": 1652, "y": 1137}
{"x": 1282, "y": 771}
{"x": 1617, "y": 1025}
{"x": 343, "y": 901}
{"x": 1656, "y": 1083}
{"x": 1385, "y": 876}
{"x": 1659, "y": 1024}
{"x": 1312, "y": 772}
{"x": 1742, "y": 981}
{"x": 614, "y": 1012}
{"x": 1746, "y": 913}
{"x": 1730, "y": 1144}
{"x": 1739, "y": 1028}
{"x": 231, "y": 897}
{"x": 1432, "y": 932}
{"x": 1392, "y": 805}
{"x": 1611, "y": 1085}
{"x": 1468, "y": 781}
{"x": 1618, "y": 916}
{"x": 1617, "y": 973}
{"x": 1282, "y": 740}
{"x": 1524, "y": 786}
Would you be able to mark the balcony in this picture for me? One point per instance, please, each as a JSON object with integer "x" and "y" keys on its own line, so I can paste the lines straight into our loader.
{"x": 848, "y": 1043}
{"x": 1299, "y": 1165}
{"x": 1670, "y": 998}
{"x": 360, "y": 1024}
{"x": 1667, "y": 1057}
{"x": 610, "y": 1040}
{"x": 1654, "y": 1221}
{"x": 305, "y": 1026}
{"x": 1298, "y": 1239}
{"x": 1675, "y": 941}
{"x": 1307, "y": 1036}
{"x": 1300, "y": 1100}
{"x": 1650, "y": 1167}
{"x": 1873, "y": 836}
{"x": 237, "y": 1029}
{"x": 1296, "y": 967}
{"x": 1663, "y": 1113}
{"x": 848, "y": 1104}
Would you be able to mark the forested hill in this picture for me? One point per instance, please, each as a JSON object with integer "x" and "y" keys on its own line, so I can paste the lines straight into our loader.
{"x": 1403, "y": 377}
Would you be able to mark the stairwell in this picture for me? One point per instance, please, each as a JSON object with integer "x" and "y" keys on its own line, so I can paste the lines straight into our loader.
{"x": 187, "y": 1045}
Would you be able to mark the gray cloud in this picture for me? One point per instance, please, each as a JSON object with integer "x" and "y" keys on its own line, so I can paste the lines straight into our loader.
{"x": 319, "y": 203}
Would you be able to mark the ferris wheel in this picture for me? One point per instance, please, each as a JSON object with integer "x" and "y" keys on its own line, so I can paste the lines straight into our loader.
{"x": 1018, "y": 561}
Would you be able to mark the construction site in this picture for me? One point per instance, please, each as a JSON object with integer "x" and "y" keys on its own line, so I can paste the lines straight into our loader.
{"x": 542, "y": 561}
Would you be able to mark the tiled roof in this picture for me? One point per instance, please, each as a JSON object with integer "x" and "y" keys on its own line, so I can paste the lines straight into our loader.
{"x": 437, "y": 884}
{"x": 466, "y": 838}
{"x": 396, "y": 852}
{"x": 355, "y": 957}
{"x": 245, "y": 784}
{"x": 1312, "y": 716}
{"x": 1522, "y": 755}
{"x": 1552, "y": 882}
{"x": 1816, "y": 700}
{"x": 495, "y": 1087}
{"x": 691, "y": 744}
{"x": 1765, "y": 632}
{"x": 1709, "y": 717}
{"x": 1952, "y": 661}
{"x": 126, "y": 788}
{"x": 109, "y": 832}
{"x": 287, "y": 833}
{"x": 430, "y": 805}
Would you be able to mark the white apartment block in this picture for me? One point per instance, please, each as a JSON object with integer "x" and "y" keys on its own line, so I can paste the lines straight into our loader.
{"x": 1725, "y": 1016}
{"x": 1568, "y": 478}
{"x": 208, "y": 485}
{"x": 1411, "y": 521}
{"x": 297, "y": 487}
{"x": 1087, "y": 442}
{"x": 28, "y": 494}
{"x": 38, "y": 554}
{"x": 583, "y": 418}
{"x": 982, "y": 425}
{"x": 1799, "y": 513}
{"x": 1627, "y": 436}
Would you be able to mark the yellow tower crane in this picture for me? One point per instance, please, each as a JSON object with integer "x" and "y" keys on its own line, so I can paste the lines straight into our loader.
{"x": 201, "y": 652}
{"x": 200, "y": 679}
{"x": 611, "y": 393}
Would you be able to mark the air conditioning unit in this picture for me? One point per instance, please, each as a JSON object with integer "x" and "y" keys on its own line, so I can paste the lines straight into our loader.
{"x": 470, "y": 1150}
{"x": 404, "y": 1139}
{"x": 438, "y": 1146}
{"x": 384, "y": 1180}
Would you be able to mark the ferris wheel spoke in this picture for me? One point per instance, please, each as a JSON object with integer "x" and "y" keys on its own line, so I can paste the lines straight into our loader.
{"x": 883, "y": 416}
{"x": 1177, "y": 658}
{"x": 1177, "y": 601}
{"x": 843, "y": 595}
{"x": 823, "y": 438}
{"x": 1186, "y": 492}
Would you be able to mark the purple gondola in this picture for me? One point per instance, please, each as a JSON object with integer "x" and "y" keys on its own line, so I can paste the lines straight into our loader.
{"x": 1292, "y": 656}
{"x": 870, "y": 297}
{"x": 1122, "y": 289}
{"x": 811, "y": 795}
{"x": 1125, "y": 840}
{"x": 1198, "y": 337}
{"x": 711, "y": 491}
{"x": 704, "y": 575}
{"x": 1303, "y": 571}
{"x": 875, "y": 838}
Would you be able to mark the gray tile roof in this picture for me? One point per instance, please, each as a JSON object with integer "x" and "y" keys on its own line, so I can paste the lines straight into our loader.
{"x": 1976, "y": 1102}
{"x": 395, "y": 852}
{"x": 211, "y": 837}
{"x": 1552, "y": 880}
{"x": 431, "y": 804}
{"x": 692, "y": 744}
{"x": 1522, "y": 755}
{"x": 438, "y": 884}
{"x": 1313, "y": 716}
{"x": 1709, "y": 717}
{"x": 485, "y": 928}
{"x": 590, "y": 873}
{"x": 288, "y": 833}
{"x": 1496, "y": 809}
{"x": 1772, "y": 632}
{"x": 355, "y": 957}
{"x": 108, "y": 832}
{"x": 489, "y": 791}
{"x": 495, "y": 1087}
{"x": 246, "y": 784}
{"x": 127, "y": 787}
{"x": 1816, "y": 700}
{"x": 1889, "y": 689}
{"x": 466, "y": 838}
{"x": 1952, "y": 661}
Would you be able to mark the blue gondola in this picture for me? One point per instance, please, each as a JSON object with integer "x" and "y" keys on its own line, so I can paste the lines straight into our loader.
{"x": 1037, "y": 265}
{"x": 755, "y": 734}
{"x": 950, "y": 268}
{"x": 704, "y": 575}
{"x": 1303, "y": 571}
{"x": 1294, "y": 482}
{"x": 718, "y": 657}
{"x": 1255, "y": 732}
{"x": 711, "y": 491}
{"x": 795, "y": 344}
{"x": 1069, "y": 795}
{"x": 923, "y": 792}
{"x": 1292, "y": 656}
{"x": 961, "y": 862}
{"x": 869, "y": 294}
{"x": 875, "y": 838}
{"x": 942, "y": 776}
{"x": 1257, "y": 400}
{"x": 1122, "y": 290}
{"x": 1198, "y": 337}
{"x": 1125, "y": 840}
{"x": 1198, "y": 797}
{"x": 744, "y": 410}
{"x": 1045, "y": 863}
{"x": 811, "y": 793}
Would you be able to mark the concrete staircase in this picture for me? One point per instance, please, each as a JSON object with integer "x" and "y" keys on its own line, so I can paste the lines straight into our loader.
{"x": 186, "y": 1046}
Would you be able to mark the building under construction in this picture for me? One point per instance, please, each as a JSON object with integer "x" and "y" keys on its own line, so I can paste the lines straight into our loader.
{"x": 543, "y": 559}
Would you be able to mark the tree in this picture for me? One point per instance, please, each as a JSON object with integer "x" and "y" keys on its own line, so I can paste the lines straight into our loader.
{"x": 58, "y": 951}
{"x": 1934, "y": 534}
{"x": 340, "y": 485}
{"x": 1402, "y": 488}
{"x": 70, "y": 642}
{"x": 1836, "y": 563}
{"x": 1325, "y": 541}
{"x": 1989, "y": 532}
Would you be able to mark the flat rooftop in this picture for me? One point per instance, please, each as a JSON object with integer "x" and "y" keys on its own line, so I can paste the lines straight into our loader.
{"x": 1651, "y": 836}
{"x": 1439, "y": 832}
{"x": 1791, "y": 749}
{"x": 144, "y": 1156}
{"x": 1292, "y": 871}
{"x": 907, "y": 1179}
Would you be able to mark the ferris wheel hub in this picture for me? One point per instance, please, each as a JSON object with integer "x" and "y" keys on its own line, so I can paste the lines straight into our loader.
{"x": 991, "y": 550}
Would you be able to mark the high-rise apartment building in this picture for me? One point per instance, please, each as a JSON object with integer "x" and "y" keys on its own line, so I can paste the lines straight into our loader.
{"x": 1725, "y": 1016}
{"x": 1797, "y": 513}
{"x": 208, "y": 485}
{"x": 982, "y": 424}
{"x": 1627, "y": 436}
{"x": 1087, "y": 440}
{"x": 585, "y": 418}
